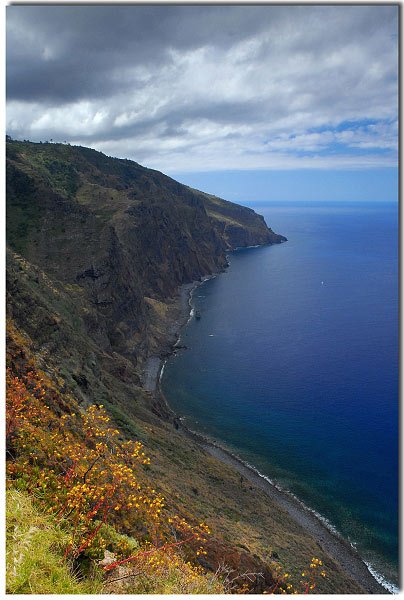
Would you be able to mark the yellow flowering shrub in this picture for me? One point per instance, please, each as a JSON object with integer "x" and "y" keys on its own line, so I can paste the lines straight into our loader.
{"x": 94, "y": 486}
{"x": 78, "y": 466}
{"x": 284, "y": 585}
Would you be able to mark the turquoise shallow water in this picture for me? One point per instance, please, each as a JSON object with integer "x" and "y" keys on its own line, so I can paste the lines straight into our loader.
{"x": 294, "y": 365}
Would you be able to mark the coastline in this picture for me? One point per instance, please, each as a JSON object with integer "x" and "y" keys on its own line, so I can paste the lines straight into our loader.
{"x": 154, "y": 365}
{"x": 327, "y": 538}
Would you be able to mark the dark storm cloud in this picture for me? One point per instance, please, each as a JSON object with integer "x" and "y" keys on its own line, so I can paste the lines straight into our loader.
{"x": 204, "y": 84}
{"x": 63, "y": 53}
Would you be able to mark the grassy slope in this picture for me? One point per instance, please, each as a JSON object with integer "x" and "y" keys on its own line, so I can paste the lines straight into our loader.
{"x": 35, "y": 561}
{"x": 35, "y": 547}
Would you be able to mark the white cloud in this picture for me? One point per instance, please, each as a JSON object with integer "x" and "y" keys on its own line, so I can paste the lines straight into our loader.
{"x": 302, "y": 82}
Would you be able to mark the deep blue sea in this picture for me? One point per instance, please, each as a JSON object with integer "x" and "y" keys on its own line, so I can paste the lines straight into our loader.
{"x": 293, "y": 365}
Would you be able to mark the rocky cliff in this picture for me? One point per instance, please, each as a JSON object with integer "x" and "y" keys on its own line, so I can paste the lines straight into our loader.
{"x": 115, "y": 235}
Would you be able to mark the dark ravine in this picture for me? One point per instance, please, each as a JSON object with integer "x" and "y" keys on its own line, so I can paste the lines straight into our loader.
{"x": 102, "y": 254}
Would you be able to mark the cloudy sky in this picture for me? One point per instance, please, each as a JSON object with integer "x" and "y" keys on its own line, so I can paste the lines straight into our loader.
{"x": 215, "y": 94}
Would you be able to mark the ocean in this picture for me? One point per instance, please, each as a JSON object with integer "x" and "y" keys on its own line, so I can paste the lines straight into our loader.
{"x": 293, "y": 365}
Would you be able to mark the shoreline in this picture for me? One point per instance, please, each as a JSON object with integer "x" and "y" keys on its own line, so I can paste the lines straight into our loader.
{"x": 154, "y": 365}
{"x": 328, "y": 539}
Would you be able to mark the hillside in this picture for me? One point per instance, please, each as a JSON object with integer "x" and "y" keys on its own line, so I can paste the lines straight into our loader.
{"x": 98, "y": 249}
{"x": 117, "y": 234}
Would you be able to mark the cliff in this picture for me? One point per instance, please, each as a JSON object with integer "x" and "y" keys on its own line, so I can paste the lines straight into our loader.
{"x": 97, "y": 250}
{"x": 114, "y": 234}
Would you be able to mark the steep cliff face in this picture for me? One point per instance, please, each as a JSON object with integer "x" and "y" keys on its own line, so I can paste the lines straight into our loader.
{"x": 238, "y": 226}
{"x": 117, "y": 234}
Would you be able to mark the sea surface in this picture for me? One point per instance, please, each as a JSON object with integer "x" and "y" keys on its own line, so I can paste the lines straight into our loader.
{"x": 293, "y": 365}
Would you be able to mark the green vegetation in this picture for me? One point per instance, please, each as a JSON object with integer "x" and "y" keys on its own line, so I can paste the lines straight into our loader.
{"x": 36, "y": 563}
{"x": 51, "y": 162}
{"x": 35, "y": 549}
{"x": 22, "y": 211}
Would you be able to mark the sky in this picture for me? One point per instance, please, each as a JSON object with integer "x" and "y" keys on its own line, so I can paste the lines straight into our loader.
{"x": 249, "y": 102}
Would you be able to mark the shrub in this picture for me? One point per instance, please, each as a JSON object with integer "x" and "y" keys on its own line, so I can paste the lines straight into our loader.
{"x": 83, "y": 474}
